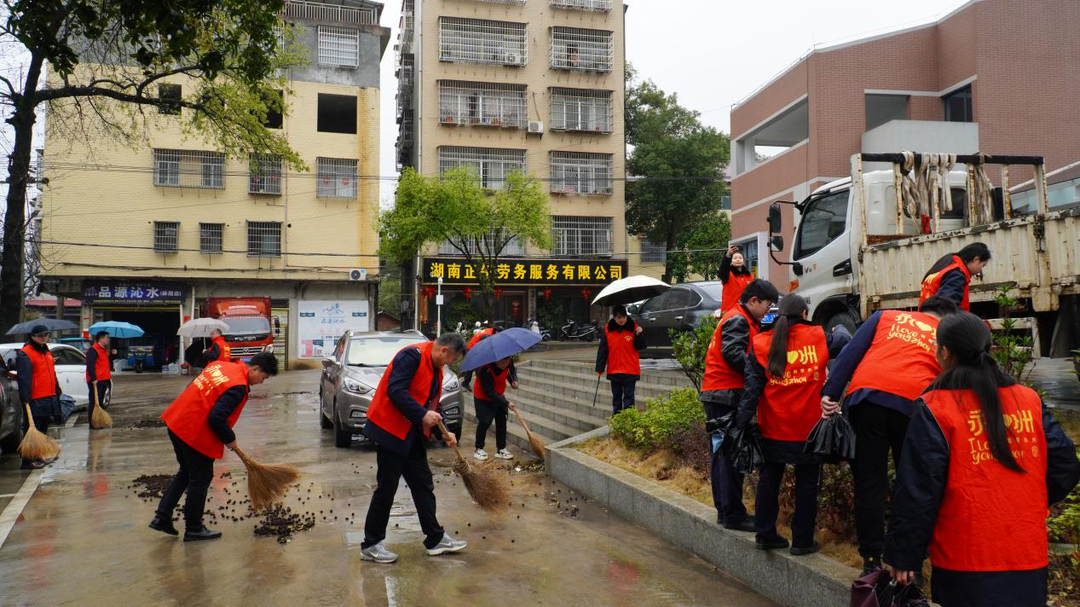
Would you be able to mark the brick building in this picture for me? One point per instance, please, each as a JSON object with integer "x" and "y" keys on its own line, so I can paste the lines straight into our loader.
{"x": 995, "y": 76}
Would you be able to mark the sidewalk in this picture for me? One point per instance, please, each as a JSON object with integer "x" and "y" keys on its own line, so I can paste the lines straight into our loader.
{"x": 1055, "y": 377}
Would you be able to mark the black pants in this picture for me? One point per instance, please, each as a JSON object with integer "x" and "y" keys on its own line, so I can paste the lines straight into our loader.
{"x": 196, "y": 472}
{"x": 767, "y": 508}
{"x": 988, "y": 588}
{"x": 727, "y": 483}
{"x": 488, "y": 411}
{"x": 622, "y": 394}
{"x": 103, "y": 388}
{"x": 877, "y": 431}
{"x": 414, "y": 469}
{"x": 41, "y": 422}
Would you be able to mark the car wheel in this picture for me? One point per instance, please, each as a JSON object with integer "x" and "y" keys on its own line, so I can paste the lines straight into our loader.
{"x": 324, "y": 422}
{"x": 841, "y": 319}
{"x": 108, "y": 399}
{"x": 342, "y": 436}
{"x": 10, "y": 443}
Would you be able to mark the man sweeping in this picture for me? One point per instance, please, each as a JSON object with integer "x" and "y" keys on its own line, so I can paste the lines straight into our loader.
{"x": 402, "y": 415}
{"x": 200, "y": 423}
{"x": 98, "y": 372}
{"x": 42, "y": 390}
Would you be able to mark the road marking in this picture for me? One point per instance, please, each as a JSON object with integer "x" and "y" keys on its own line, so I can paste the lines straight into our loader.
{"x": 14, "y": 509}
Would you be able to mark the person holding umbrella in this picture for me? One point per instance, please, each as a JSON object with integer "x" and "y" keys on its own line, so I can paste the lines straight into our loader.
{"x": 98, "y": 371}
{"x": 734, "y": 275}
{"x": 619, "y": 355}
{"x": 466, "y": 378}
{"x": 38, "y": 386}
{"x": 492, "y": 405}
{"x": 219, "y": 348}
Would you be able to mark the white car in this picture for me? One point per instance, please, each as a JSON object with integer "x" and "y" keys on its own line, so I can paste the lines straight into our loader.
{"x": 70, "y": 370}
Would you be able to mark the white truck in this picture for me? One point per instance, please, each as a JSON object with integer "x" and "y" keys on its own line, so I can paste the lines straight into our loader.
{"x": 857, "y": 249}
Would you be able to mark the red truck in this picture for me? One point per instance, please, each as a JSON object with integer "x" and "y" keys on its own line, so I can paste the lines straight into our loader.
{"x": 249, "y": 323}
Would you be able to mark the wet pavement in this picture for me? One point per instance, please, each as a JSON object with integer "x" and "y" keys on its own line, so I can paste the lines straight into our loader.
{"x": 81, "y": 538}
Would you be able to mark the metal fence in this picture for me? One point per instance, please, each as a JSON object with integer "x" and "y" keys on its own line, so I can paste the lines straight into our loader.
{"x": 482, "y": 104}
{"x": 336, "y": 178}
{"x": 514, "y": 248}
{"x": 166, "y": 236}
{"x": 265, "y": 174}
{"x": 581, "y": 110}
{"x": 264, "y": 239}
{"x": 574, "y": 236}
{"x": 339, "y": 46}
{"x": 601, "y": 6}
{"x": 584, "y": 50}
{"x": 581, "y": 173}
{"x": 317, "y": 11}
{"x": 482, "y": 41}
{"x": 189, "y": 169}
{"x": 210, "y": 238}
{"x": 491, "y": 165}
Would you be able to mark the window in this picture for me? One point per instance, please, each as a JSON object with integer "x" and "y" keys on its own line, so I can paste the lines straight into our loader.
{"x": 652, "y": 252}
{"x": 264, "y": 239}
{"x": 337, "y": 114}
{"x": 339, "y": 46}
{"x": 581, "y": 110}
{"x": 169, "y": 95}
{"x": 67, "y": 356}
{"x": 274, "y": 105}
{"x": 189, "y": 169}
{"x": 682, "y": 298}
{"x": 581, "y": 236}
{"x": 602, "y": 6}
{"x": 513, "y": 248}
{"x": 336, "y": 178}
{"x": 659, "y": 303}
{"x": 210, "y": 237}
{"x": 580, "y": 49}
{"x": 823, "y": 220}
{"x": 884, "y": 108}
{"x": 264, "y": 174}
{"x": 482, "y": 41}
{"x": 482, "y": 104}
{"x": 490, "y": 165}
{"x": 958, "y": 106}
{"x": 581, "y": 173}
{"x": 166, "y": 236}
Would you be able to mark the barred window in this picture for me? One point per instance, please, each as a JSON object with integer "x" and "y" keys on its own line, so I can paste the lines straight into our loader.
{"x": 581, "y": 173}
{"x": 578, "y": 49}
{"x": 336, "y": 177}
{"x": 264, "y": 238}
{"x": 482, "y": 41}
{"x": 581, "y": 110}
{"x": 652, "y": 252}
{"x": 210, "y": 238}
{"x": 166, "y": 236}
{"x": 482, "y": 104}
{"x": 491, "y": 165}
{"x": 339, "y": 46}
{"x": 265, "y": 174}
{"x": 517, "y": 2}
{"x": 189, "y": 169}
{"x": 513, "y": 248}
{"x": 169, "y": 95}
{"x": 601, "y": 6}
{"x": 581, "y": 236}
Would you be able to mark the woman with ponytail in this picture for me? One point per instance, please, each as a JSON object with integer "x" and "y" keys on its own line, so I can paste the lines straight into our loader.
{"x": 982, "y": 461}
{"x": 785, "y": 372}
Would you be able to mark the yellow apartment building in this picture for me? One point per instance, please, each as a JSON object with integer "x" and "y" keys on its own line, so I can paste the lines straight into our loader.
{"x": 146, "y": 234}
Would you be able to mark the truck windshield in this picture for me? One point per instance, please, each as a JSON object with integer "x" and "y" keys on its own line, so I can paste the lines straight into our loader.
{"x": 823, "y": 220}
{"x": 247, "y": 325}
{"x": 377, "y": 351}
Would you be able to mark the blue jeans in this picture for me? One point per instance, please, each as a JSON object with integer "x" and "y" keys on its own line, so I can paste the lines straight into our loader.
{"x": 622, "y": 394}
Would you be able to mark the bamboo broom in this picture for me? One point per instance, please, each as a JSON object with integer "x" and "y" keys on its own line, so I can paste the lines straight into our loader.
{"x": 490, "y": 492}
{"x": 100, "y": 418}
{"x": 267, "y": 483}
{"x": 36, "y": 444}
{"x": 537, "y": 446}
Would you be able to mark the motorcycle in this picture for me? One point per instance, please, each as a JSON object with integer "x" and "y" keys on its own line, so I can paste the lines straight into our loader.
{"x": 534, "y": 326}
{"x": 587, "y": 331}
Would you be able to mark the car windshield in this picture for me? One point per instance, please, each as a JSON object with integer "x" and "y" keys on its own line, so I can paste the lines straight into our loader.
{"x": 247, "y": 325}
{"x": 377, "y": 351}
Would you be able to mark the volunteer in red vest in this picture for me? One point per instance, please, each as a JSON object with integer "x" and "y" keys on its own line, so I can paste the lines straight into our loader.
{"x": 400, "y": 420}
{"x": 734, "y": 275}
{"x": 98, "y": 372}
{"x": 785, "y": 372}
{"x": 492, "y": 405}
{"x": 889, "y": 362}
{"x": 982, "y": 462}
{"x": 467, "y": 377}
{"x": 219, "y": 349}
{"x": 950, "y": 276}
{"x": 721, "y": 389}
{"x": 42, "y": 390}
{"x": 200, "y": 423}
{"x": 618, "y": 355}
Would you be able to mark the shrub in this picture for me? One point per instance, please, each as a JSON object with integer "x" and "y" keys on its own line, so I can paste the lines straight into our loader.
{"x": 628, "y": 426}
{"x": 663, "y": 420}
{"x": 690, "y": 347}
{"x": 1064, "y": 522}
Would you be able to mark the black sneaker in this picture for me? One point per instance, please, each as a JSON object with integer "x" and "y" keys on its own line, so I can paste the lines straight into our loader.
{"x": 163, "y": 525}
{"x": 775, "y": 543}
{"x": 201, "y": 534}
{"x": 743, "y": 523}
{"x": 804, "y": 550}
{"x": 870, "y": 564}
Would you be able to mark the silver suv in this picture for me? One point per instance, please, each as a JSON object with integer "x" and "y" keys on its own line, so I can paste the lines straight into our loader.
{"x": 352, "y": 373}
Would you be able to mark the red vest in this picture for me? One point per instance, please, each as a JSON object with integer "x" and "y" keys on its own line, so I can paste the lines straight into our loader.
{"x": 43, "y": 379}
{"x": 385, "y": 415}
{"x": 901, "y": 358}
{"x": 932, "y": 283}
{"x": 223, "y": 347}
{"x": 500, "y": 382}
{"x": 622, "y": 356}
{"x": 991, "y": 518}
{"x": 186, "y": 416}
{"x": 732, "y": 291}
{"x": 481, "y": 335}
{"x": 718, "y": 374}
{"x": 791, "y": 405}
{"x": 102, "y": 368}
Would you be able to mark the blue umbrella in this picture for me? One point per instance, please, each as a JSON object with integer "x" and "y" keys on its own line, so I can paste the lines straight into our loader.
{"x": 503, "y": 344}
{"x": 120, "y": 330}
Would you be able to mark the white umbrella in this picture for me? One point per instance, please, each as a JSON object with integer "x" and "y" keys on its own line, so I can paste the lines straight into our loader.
{"x": 201, "y": 327}
{"x": 630, "y": 289}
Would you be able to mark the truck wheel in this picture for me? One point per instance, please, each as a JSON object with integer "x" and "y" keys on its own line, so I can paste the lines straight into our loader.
{"x": 10, "y": 443}
{"x": 342, "y": 437}
{"x": 841, "y": 319}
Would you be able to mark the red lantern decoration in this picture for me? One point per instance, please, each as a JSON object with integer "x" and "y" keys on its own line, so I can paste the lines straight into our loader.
{"x": 428, "y": 292}
{"x": 547, "y": 294}
{"x": 468, "y": 292}
{"x": 498, "y": 292}
{"x": 585, "y": 293}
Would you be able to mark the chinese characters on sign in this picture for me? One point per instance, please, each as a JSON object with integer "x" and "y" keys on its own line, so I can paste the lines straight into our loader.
{"x": 134, "y": 293}
{"x": 525, "y": 272}
{"x": 322, "y": 323}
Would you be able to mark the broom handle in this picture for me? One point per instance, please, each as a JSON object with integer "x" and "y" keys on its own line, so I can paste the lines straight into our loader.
{"x": 29, "y": 415}
{"x": 97, "y": 403}
{"x": 445, "y": 432}
{"x": 522, "y": 422}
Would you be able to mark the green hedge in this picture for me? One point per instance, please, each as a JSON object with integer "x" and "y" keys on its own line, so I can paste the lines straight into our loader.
{"x": 662, "y": 420}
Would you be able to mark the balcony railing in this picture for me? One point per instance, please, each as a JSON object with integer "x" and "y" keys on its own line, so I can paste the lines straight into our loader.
{"x": 600, "y": 6}
{"x": 316, "y": 11}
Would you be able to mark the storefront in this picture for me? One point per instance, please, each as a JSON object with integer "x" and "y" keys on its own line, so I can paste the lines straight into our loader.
{"x": 156, "y": 307}
{"x": 551, "y": 291}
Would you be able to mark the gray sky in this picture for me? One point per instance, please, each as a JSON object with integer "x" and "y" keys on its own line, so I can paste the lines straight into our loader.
{"x": 712, "y": 53}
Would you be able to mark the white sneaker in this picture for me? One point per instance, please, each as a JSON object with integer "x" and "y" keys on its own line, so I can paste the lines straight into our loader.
{"x": 378, "y": 553}
{"x": 480, "y": 455}
{"x": 504, "y": 454}
{"x": 447, "y": 544}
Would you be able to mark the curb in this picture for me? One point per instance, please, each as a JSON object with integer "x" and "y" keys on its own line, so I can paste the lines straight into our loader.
{"x": 805, "y": 581}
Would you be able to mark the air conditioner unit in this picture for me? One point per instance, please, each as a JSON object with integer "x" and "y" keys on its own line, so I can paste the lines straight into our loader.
{"x": 358, "y": 275}
{"x": 536, "y": 128}
{"x": 512, "y": 59}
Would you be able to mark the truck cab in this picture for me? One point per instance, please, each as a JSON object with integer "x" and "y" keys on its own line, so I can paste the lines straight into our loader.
{"x": 249, "y": 323}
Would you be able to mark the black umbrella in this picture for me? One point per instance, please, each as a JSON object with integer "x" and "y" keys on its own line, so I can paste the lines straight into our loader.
{"x": 51, "y": 323}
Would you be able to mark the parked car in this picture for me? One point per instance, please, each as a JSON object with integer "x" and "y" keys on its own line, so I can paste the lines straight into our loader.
{"x": 70, "y": 371}
{"x": 680, "y": 308}
{"x": 352, "y": 373}
{"x": 10, "y": 411}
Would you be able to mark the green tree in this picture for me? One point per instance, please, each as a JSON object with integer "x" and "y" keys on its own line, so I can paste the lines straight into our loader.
{"x": 679, "y": 162}
{"x": 478, "y": 223}
{"x": 702, "y": 244}
{"x": 106, "y": 61}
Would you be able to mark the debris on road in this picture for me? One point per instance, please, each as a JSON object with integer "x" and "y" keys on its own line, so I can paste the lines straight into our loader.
{"x": 154, "y": 422}
{"x": 152, "y": 486}
{"x": 281, "y": 522}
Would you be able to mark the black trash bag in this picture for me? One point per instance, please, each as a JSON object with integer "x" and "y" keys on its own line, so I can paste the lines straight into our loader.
{"x": 719, "y": 428}
{"x": 831, "y": 440}
{"x": 743, "y": 448}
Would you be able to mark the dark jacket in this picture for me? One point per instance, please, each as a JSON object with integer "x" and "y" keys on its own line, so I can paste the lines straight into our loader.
{"x": 49, "y": 406}
{"x": 218, "y": 419}
{"x": 486, "y": 375}
{"x": 844, "y": 368}
{"x": 405, "y": 365}
{"x": 602, "y": 351}
{"x": 952, "y": 286}
{"x": 726, "y": 270}
{"x": 734, "y": 344}
{"x": 212, "y": 353}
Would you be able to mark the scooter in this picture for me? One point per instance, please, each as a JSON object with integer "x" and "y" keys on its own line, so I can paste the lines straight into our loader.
{"x": 588, "y": 331}
{"x": 545, "y": 335}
